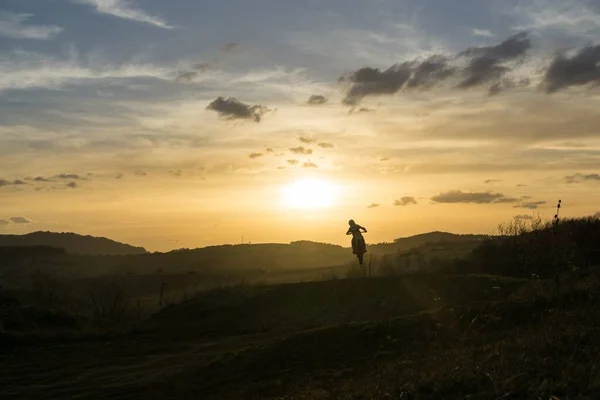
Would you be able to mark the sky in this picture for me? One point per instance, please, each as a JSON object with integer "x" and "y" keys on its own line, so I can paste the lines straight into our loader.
{"x": 180, "y": 123}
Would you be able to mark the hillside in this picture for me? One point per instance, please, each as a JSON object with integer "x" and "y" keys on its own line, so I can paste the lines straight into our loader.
{"x": 72, "y": 243}
{"x": 426, "y": 239}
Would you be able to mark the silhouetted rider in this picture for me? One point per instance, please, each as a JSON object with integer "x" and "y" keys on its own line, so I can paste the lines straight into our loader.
{"x": 357, "y": 237}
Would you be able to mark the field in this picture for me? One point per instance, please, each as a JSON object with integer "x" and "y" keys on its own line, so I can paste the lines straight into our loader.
{"x": 530, "y": 329}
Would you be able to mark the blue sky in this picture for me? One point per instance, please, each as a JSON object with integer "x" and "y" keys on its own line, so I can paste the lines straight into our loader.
{"x": 129, "y": 89}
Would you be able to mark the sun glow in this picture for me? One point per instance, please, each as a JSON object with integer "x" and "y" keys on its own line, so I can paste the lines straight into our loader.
{"x": 309, "y": 193}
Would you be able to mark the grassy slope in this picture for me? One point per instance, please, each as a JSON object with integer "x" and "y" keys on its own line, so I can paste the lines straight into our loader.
{"x": 489, "y": 348}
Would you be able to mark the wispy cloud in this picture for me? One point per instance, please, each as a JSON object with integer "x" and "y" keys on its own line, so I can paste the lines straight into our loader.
{"x": 25, "y": 70}
{"x": 122, "y": 9}
{"x": 20, "y": 220}
{"x": 14, "y": 26}
{"x": 458, "y": 196}
{"x": 373, "y": 205}
{"x": 482, "y": 32}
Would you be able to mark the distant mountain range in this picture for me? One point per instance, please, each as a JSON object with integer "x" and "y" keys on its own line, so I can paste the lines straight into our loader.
{"x": 295, "y": 254}
{"x": 72, "y": 243}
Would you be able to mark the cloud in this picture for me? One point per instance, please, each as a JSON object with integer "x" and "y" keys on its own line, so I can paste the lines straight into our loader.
{"x": 492, "y": 181}
{"x": 317, "y": 99}
{"x": 524, "y": 217}
{"x": 71, "y": 185}
{"x": 232, "y": 108}
{"x": 305, "y": 139}
{"x": 122, "y": 9}
{"x": 292, "y": 162}
{"x": 457, "y": 196}
{"x": 309, "y": 164}
{"x": 430, "y": 72}
{"x": 195, "y": 72}
{"x": 369, "y": 81}
{"x": 231, "y": 47}
{"x": 26, "y": 70}
{"x": 270, "y": 150}
{"x": 487, "y": 63}
{"x": 301, "y": 150}
{"x": 481, "y": 32}
{"x": 373, "y": 205}
{"x": 580, "y": 69}
{"x": 255, "y": 155}
{"x": 4, "y": 222}
{"x": 326, "y": 145}
{"x": 13, "y": 26}
{"x": 582, "y": 177}
{"x": 68, "y": 176}
{"x": 140, "y": 173}
{"x": 533, "y": 205}
{"x": 405, "y": 201}
{"x": 41, "y": 179}
{"x": 20, "y": 220}
{"x": 16, "y": 182}
{"x": 175, "y": 172}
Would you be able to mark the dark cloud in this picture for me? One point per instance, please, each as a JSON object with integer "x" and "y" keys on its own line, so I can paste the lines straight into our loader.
{"x": 430, "y": 72}
{"x": 119, "y": 176}
{"x": 317, "y": 99}
{"x": 232, "y": 108}
{"x": 506, "y": 200}
{"x": 533, "y": 205}
{"x": 524, "y": 217}
{"x": 305, "y": 139}
{"x": 309, "y": 164}
{"x": 487, "y": 63}
{"x": 292, "y": 162}
{"x": 525, "y": 197}
{"x": 578, "y": 70}
{"x": 457, "y": 196}
{"x": 493, "y": 181}
{"x": 195, "y": 71}
{"x": 72, "y": 185}
{"x": 255, "y": 155}
{"x": 231, "y": 47}
{"x": 19, "y": 220}
{"x": 140, "y": 173}
{"x": 175, "y": 172}
{"x": 384, "y": 159}
{"x": 16, "y": 182}
{"x": 325, "y": 145}
{"x": 68, "y": 176}
{"x": 373, "y": 205}
{"x": 506, "y": 83}
{"x": 270, "y": 150}
{"x": 186, "y": 76}
{"x": 301, "y": 150}
{"x": 582, "y": 177}
{"x": 369, "y": 81}
{"x": 41, "y": 179}
{"x": 4, "y": 222}
{"x": 405, "y": 201}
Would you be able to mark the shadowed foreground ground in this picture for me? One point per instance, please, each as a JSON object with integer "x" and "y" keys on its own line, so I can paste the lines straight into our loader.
{"x": 504, "y": 341}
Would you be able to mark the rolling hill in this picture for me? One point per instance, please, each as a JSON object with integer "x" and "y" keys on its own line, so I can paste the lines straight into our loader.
{"x": 72, "y": 243}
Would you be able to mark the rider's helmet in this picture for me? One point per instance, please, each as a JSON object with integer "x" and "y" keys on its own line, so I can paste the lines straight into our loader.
{"x": 351, "y": 222}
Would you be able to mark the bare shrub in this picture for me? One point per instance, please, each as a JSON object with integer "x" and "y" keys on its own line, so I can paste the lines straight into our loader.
{"x": 110, "y": 302}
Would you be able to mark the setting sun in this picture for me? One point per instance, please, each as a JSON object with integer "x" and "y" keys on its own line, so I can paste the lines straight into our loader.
{"x": 309, "y": 193}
